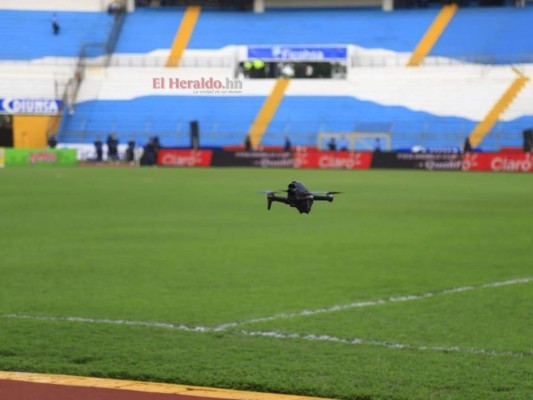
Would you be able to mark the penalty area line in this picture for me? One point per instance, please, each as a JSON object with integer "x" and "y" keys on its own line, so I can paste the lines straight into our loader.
{"x": 146, "y": 324}
{"x": 387, "y": 344}
{"x": 370, "y": 303}
{"x": 308, "y": 337}
{"x": 276, "y": 335}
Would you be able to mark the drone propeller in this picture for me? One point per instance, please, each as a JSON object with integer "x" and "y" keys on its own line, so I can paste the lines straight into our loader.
{"x": 325, "y": 192}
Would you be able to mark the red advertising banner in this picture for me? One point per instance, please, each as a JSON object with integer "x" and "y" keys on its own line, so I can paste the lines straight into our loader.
{"x": 184, "y": 158}
{"x": 498, "y": 162}
{"x": 333, "y": 159}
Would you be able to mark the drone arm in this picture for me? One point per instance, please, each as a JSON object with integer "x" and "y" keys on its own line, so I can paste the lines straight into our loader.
{"x": 272, "y": 198}
{"x": 327, "y": 197}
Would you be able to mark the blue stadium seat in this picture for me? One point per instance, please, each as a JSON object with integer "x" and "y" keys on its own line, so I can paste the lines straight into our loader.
{"x": 28, "y": 35}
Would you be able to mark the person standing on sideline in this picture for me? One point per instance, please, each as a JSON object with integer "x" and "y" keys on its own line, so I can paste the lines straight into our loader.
{"x": 112, "y": 147}
{"x": 247, "y": 143}
{"x": 98, "y": 146}
{"x": 377, "y": 145}
{"x": 343, "y": 144}
{"x": 332, "y": 144}
{"x": 130, "y": 152}
{"x": 287, "y": 146}
{"x": 52, "y": 142}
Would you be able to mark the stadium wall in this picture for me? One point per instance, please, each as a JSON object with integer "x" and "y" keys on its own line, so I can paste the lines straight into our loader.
{"x": 61, "y": 5}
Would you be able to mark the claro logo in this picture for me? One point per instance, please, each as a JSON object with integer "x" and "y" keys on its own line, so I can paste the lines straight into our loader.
{"x": 331, "y": 161}
{"x": 502, "y": 163}
{"x": 470, "y": 162}
{"x": 178, "y": 160}
{"x": 43, "y": 157}
{"x": 498, "y": 162}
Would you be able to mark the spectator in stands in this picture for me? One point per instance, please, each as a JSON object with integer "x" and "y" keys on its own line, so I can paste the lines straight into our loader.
{"x": 98, "y": 146}
{"x": 112, "y": 147}
{"x": 55, "y": 24}
{"x": 248, "y": 143}
{"x": 332, "y": 144}
{"x": 52, "y": 141}
{"x": 343, "y": 144}
{"x": 287, "y": 146}
{"x": 130, "y": 152}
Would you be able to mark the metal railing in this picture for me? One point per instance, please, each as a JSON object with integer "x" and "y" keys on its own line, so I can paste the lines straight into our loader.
{"x": 400, "y": 60}
{"x": 149, "y": 61}
{"x": 99, "y": 52}
{"x": 212, "y": 133}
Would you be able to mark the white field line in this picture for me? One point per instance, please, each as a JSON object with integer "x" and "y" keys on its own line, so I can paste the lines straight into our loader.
{"x": 360, "y": 304}
{"x": 278, "y": 335}
{"x": 147, "y": 324}
{"x": 309, "y": 337}
{"x": 390, "y": 345}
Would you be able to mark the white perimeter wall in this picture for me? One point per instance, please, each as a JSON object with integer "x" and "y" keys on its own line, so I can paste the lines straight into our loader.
{"x": 60, "y": 5}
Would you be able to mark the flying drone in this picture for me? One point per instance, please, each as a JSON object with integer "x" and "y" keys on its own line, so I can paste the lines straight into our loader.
{"x": 298, "y": 196}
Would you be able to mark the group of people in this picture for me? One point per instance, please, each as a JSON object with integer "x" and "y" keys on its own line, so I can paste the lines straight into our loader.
{"x": 287, "y": 145}
{"x": 343, "y": 144}
{"x": 112, "y": 143}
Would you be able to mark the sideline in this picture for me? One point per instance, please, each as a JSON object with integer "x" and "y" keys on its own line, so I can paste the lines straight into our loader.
{"x": 148, "y": 387}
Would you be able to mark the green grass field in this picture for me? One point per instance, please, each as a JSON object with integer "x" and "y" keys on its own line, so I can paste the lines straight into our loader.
{"x": 410, "y": 285}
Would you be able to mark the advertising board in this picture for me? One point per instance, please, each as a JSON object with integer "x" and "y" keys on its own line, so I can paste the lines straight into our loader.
{"x": 333, "y": 160}
{"x": 253, "y": 159}
{"x": 427, "y": 161}
{"x": 498, "y": 162}
{"x": 298, "y": 53}
{"x": 40, "y": 157}
{"x": 11, "y": 105}
{"x": 184, "y": 158}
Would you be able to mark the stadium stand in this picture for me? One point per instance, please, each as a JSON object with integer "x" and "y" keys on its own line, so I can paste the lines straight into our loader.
{"x": 27, "y": 35}
{"x": 491, "y": 36}
{"x": 439, "y": 105}
{"x": 277, "y": 27}
{"x": 436, "y": 105}
{"x": 496, "y": 35}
